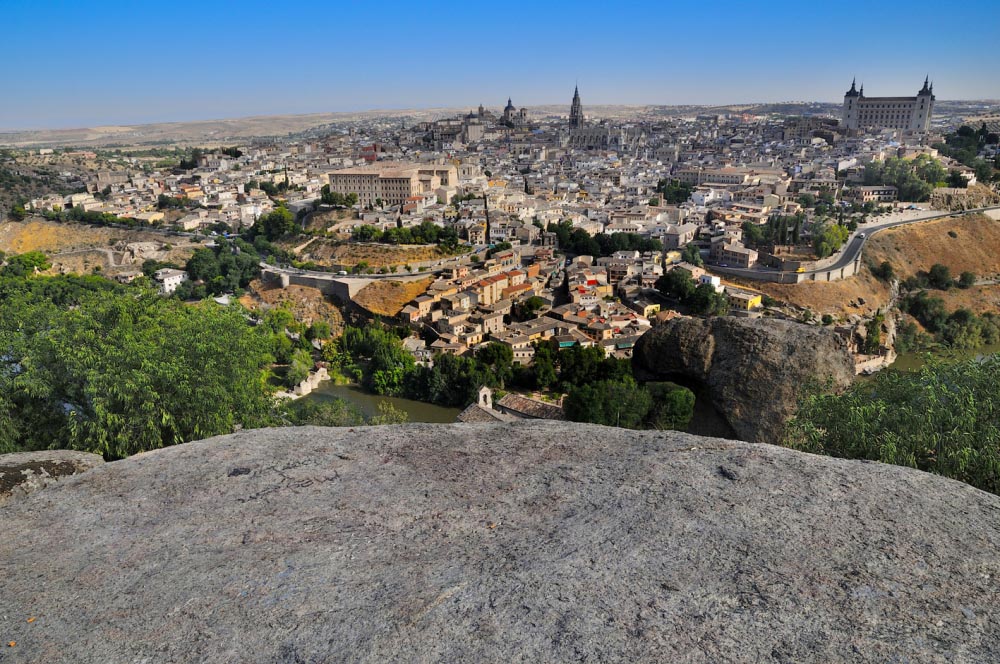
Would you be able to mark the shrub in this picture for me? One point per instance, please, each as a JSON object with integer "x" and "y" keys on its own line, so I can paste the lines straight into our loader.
{"x": 911, "y": 419}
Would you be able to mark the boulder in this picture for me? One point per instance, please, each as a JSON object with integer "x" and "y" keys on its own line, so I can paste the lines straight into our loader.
{"x": 24, "y": 472}
{"x": 754, "y": 370}
{"x": 516, "y": 542}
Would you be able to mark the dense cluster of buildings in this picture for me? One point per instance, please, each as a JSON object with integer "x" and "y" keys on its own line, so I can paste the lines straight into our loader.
{"x": 504, "y": 177}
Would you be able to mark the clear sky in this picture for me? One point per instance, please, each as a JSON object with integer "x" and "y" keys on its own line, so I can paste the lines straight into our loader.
{"x": 89, "y": 62}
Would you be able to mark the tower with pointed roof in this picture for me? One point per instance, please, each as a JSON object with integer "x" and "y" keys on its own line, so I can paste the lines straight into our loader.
{"x": 576, "y": 110}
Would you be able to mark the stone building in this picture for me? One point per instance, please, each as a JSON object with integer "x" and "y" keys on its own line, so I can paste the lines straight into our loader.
{"x": 576, "y": 110}
{"x": 911, "y": 114}
{"x": 391, "y": 182}
{"x": 513, "y": 117}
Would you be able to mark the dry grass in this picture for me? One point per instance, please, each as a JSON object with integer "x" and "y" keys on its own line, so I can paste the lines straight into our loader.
{"x": 833, "y": 297}
{"x": 975, "y": 248}
{"x": 331, "y": 253}
{"x": 308, "y": 305}
{"x": 19, "y": 238}
{"x": 387, "y": 297}
{"x": 55, "y": 238}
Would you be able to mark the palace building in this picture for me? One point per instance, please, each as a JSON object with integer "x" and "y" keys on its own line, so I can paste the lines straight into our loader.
{"x": 910, "y": 114}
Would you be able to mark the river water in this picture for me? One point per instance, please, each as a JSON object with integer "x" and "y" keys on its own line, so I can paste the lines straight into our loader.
{"x": 913, "y": 361}
{"x": 706, "y": 420}
{"x": 368, "y": 403}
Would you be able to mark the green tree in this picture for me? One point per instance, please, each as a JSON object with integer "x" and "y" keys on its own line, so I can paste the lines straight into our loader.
{"x": 941, "y": 419}
{"x": 828, "y": 238}
{"x": 324, "y": 413}
{"x": 544, "y": 366}
{"x": 299, "y": 367}
{"x": 955, "y": 179}
{"x": 873, "y": 335}
{"x": 364, "y": 233}
{"x": 500, "y": 359}
{"x": 884, "y": 271}
{"x": 276, "y": 223}
{"x": 707, "y": 302}
{"x": 676, "y": 283}
{"x": 388, "y": 414}
{"x": 967, "y": 279}
{"x": 613, "y": 403}
{"x": 319, "y": 330}
{"x": 939, "y": 276}
{"x": 528, "y": 309}
{"x": 25, "y": 264}
{"x": 672, "y": 406}
{"x": 754, "y": 235}
{"x": 118, "y": 374}
{"x": 674, "y": 192}
{"x": 692, "y": 255}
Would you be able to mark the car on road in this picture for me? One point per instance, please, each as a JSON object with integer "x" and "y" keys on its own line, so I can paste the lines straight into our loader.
{"x": 342, "y": 273}
{"x": 861, "y": 236}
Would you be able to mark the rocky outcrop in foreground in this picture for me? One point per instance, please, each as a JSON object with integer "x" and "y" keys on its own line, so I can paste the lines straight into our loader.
{"x": 533, "y": 542}
{"x": 754, "y": 369}
{"x": 24, "y": 472}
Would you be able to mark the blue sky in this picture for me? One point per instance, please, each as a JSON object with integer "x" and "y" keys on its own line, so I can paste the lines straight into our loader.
{"x": 89, "y": 62}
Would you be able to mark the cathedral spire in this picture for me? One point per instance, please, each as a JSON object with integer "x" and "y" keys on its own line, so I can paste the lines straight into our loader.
{"x": 576, "y": 110}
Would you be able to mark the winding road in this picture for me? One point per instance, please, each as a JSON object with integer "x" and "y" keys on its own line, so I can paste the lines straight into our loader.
{"x": 851, "y": 251}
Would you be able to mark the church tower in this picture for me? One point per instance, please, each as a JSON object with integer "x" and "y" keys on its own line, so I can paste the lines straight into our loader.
{"x": 849, "y": 113}
{"x": 576, "y": 110}
{"x": 920, "y": 118}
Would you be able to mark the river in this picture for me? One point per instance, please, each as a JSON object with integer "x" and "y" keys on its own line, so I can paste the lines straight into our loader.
{"x": 367, "y": 403}
{"x": 706, "y": 420}
{"x": 913, "y": 361}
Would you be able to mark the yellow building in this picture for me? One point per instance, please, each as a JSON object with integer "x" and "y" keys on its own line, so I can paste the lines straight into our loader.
{"x": 743, "y": 300}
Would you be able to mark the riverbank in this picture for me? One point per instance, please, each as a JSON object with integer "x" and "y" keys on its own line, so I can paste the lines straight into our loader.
{"x": 368, "y": 403}
{"x": 308, "y": 386}
{"x": 915, "y": 360}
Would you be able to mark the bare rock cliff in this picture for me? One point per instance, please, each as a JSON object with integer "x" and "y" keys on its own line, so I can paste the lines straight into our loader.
{"x": 754, "y": 369}
{"x": 526, "y": 542}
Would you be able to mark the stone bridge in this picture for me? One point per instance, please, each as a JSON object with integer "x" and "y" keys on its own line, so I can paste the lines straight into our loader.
{"x": 338, "y": 286}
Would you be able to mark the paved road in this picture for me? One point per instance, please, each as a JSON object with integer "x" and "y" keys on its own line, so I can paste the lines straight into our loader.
{"x": 852, "y": 249}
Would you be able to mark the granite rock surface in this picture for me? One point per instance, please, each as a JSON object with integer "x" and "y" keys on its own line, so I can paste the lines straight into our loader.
{"x": 523, "y": 542}
{"x": 754, "y": 370}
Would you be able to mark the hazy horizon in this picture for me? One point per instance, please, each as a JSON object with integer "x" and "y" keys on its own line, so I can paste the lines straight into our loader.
{"x": 112, "y": 62}
{"x": 423, "y": 109}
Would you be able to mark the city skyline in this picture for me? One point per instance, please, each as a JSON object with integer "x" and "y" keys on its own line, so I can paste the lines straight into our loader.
{"x": 108, "y": 62}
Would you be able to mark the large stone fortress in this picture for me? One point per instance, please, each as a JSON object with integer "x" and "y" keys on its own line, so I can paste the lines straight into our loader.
{"x": 910, "y": 114}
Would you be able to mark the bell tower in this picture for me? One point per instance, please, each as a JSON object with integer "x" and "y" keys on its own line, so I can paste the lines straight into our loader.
{"x": 576, "y": 110}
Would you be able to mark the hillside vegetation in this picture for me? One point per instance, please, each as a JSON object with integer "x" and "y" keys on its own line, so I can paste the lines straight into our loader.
{"x": 966, "y": 243}
{"x": 942, "y": 419}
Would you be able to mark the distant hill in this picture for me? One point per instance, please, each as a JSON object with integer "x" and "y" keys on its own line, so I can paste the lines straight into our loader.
{"x": 223, "y": 130}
